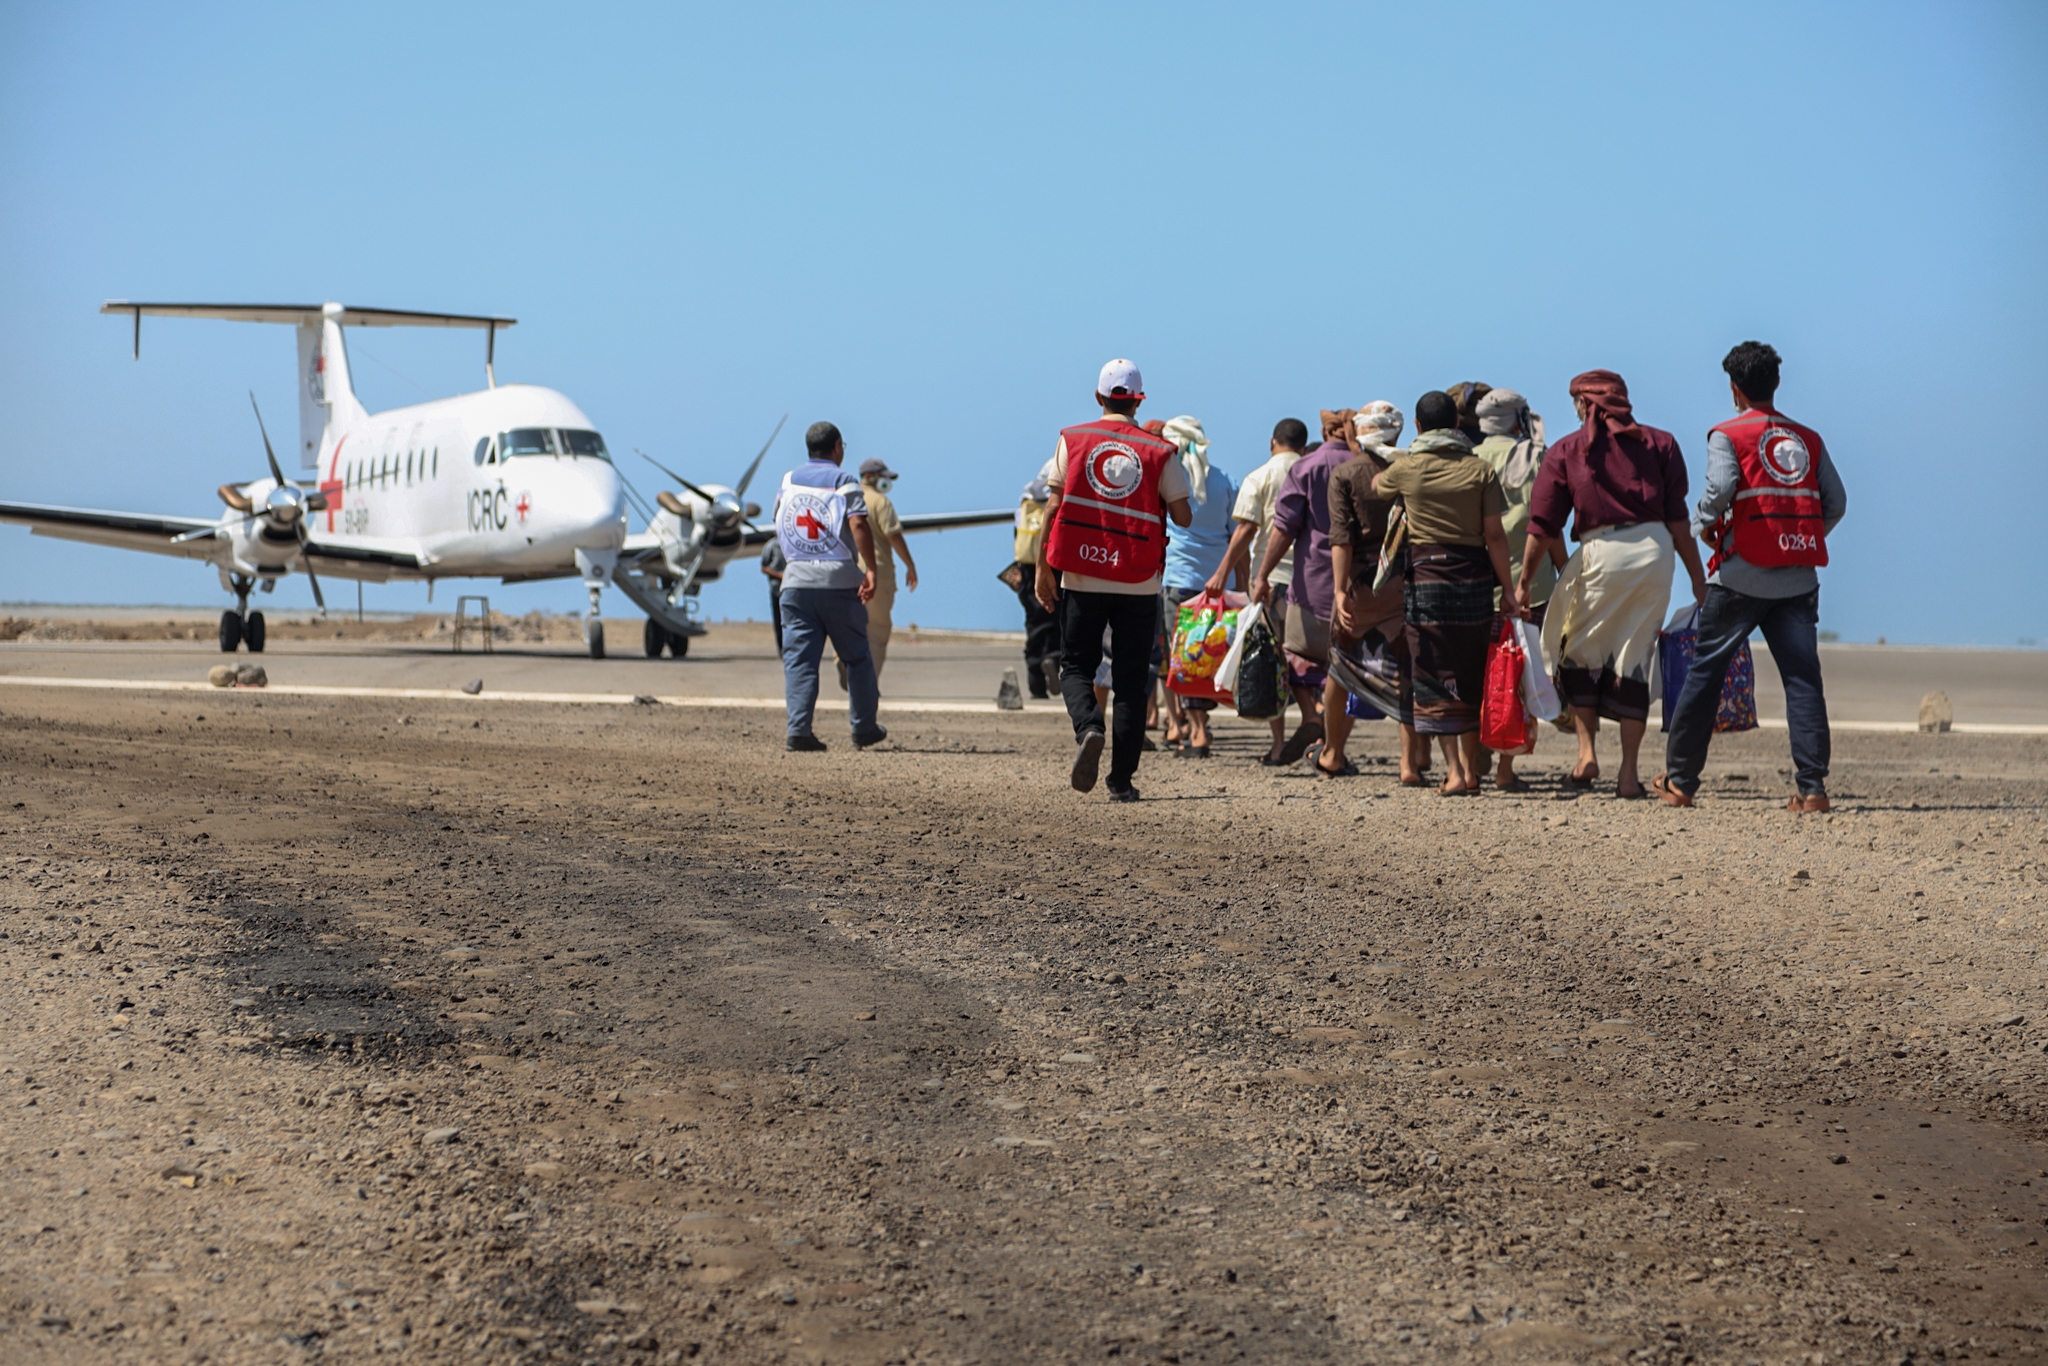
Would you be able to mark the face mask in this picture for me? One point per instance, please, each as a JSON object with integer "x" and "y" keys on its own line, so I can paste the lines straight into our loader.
{"x": 884, "y": 485}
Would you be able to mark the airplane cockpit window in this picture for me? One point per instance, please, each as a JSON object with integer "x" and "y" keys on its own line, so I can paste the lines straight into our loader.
{"x": 584, "y": 443}
{"x": 527, "y": 441}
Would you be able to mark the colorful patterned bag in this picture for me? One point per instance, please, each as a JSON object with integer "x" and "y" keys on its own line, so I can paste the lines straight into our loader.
{"x": 1675, "y": 646}
{"x": 1201, "y": 638}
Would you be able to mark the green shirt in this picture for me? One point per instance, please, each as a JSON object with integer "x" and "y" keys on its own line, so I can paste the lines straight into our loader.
{"x": 1448, "y": 494}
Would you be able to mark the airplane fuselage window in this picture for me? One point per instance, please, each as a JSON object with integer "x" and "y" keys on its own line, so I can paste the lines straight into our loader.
{"x": 408, "y": 467}
{"x": 584, "y": 443}
{"x": 436, "y": 465}
{"x": 527, "y": 441}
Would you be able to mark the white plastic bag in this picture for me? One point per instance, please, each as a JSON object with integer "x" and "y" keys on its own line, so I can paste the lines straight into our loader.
{"x": 1538, "y": 693}
{"x": 1226, "y": 671}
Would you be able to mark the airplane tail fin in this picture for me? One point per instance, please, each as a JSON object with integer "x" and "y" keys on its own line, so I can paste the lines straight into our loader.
{"x": 327, "y": 396}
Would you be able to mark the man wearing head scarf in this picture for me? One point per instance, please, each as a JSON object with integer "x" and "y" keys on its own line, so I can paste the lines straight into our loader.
{"x": 1193, "y": 554}
{"x": 1511, "y": 445}
{"x": 1301, "y": 522}
{"x": 1467, "y": 396}
{"x": 1368, "y": 639}
{"x": 1622, "y": 485}
{"x": 1457, "y": 552}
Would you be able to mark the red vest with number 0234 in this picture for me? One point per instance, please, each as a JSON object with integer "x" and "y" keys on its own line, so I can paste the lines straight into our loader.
{"x": 1776, "y": 518}
{"x": 1111, "y": 523}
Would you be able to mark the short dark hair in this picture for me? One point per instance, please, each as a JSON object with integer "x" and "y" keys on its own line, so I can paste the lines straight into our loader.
{"x": 1291, "y": 432}
{"x": 1435, "y": 411}
{"x": 821, "y": 438}
{"x": 1753, "y": 366}
{"x": 1121, "y": 404}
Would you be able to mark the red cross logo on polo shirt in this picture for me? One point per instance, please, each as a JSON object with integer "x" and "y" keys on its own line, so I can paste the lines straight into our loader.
{"x": 813, "y": 529}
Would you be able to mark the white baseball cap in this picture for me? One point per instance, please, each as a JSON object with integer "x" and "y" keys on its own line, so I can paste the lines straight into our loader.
{"x": 1120, "y": 379}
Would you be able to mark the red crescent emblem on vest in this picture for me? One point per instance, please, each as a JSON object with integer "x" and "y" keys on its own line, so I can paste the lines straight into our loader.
{"x": 1784, "y": 455}
{"x": 1114, "y": 470}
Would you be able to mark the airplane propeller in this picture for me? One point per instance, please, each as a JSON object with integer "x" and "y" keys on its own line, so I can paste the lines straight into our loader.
{"x": 725, "y": 509}
{"x": 286, "y": 505}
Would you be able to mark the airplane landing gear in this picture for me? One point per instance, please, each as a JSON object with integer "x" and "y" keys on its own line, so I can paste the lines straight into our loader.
{"x": 593, "y": 624}
{"x": 239, "y": 625}
{"x": 654, "y": 637}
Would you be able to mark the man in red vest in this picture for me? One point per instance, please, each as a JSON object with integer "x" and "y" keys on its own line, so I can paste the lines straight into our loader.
{"x": 1772, "y": 497}
{"x": 1113, "y": 487}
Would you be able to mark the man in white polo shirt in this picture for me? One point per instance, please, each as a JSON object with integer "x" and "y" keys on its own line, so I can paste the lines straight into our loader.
{"x": 1113, "y": 485}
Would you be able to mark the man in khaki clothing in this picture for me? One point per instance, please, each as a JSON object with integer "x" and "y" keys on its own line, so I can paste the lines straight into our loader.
{"x": 876, "y": 479}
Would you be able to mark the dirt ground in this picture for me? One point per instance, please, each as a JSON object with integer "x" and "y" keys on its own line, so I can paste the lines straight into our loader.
{"x": 533, "y": 628}
{"x": 346, "y": 1028}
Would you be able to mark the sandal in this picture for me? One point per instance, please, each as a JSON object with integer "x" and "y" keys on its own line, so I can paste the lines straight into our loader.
{"x": 1635, "y": 796}
{"x": 1513, "y": 784}
{"x": 1586, "y": 779}
{"x": 1670, "y": 795}
{"x": 1346, "y": 770}
{"x": 1305, "y": 734}
{"x": 1457, "y": 792}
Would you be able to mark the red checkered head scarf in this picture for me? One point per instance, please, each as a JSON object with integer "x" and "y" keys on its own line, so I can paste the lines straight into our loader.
{"x": 1607, "y": 407}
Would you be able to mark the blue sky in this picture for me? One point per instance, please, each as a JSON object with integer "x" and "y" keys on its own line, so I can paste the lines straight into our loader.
{"x": 932, "y": 224}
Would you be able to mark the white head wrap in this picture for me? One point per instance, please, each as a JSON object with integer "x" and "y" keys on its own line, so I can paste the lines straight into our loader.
{"x": 1186, "y": 433}
{"x": 1378, "y": 426}
{"x": 1503, "y": 412}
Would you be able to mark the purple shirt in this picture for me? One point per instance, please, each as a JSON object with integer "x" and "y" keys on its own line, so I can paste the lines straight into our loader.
{"x": 1622, "y": 481}
{"x": 1304, "y": 507}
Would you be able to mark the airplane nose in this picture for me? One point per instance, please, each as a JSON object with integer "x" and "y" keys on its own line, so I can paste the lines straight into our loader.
{"x": 583, "y": 502}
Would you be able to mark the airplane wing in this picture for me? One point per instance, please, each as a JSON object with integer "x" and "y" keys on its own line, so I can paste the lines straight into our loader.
{"x": 128, "y": 530}
{"x": 922, "y": 521}
{"x": 157, "y": 535}
{"x": 362, "y": 560}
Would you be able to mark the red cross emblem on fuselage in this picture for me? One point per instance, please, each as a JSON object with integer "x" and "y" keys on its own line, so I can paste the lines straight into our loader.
{"x": 523, "y": 506}
{"x": 813, "y": 529}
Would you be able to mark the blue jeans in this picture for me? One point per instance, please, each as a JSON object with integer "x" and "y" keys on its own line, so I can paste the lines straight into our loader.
{"x": 809, "y": 617}
{"x": 1791, "y": 628}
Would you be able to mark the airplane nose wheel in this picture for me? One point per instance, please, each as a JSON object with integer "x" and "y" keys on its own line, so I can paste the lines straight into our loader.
{"x": 240, "y": 626}
{"x": 593, "y": 624}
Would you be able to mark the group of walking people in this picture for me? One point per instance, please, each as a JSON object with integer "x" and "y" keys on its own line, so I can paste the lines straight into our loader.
{"x": 1387, "y": 572}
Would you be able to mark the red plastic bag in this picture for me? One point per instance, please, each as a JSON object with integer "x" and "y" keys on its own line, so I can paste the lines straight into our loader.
{"x": 1505, "y": 726}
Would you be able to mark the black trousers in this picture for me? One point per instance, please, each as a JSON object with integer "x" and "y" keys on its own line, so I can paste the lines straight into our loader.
{"x": 775, "y": 611}
{"x": 1132, "y": 620}
{"x": 1041, "y": 633}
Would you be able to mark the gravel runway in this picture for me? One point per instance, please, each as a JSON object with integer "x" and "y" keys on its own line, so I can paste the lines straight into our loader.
{"x": 347, "y": 1028}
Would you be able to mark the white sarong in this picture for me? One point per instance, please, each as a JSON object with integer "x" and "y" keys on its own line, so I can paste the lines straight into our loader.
{"x": 1609, "y": 603}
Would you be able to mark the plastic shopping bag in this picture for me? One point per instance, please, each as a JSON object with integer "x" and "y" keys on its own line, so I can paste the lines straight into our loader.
{"x": 1539, "y": 693}
{"x": 1675, "y": 646}
{"x": 1505, "y": 726}
{"x": 1257, "y": 681}
{"x": 1201, "y": 638}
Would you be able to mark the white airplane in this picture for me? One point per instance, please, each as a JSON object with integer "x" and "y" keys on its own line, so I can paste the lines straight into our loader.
{"x": 511, "y": 482}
